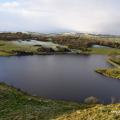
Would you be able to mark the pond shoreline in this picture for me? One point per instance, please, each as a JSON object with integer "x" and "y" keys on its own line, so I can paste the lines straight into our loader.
{"x": 36, "y": 72}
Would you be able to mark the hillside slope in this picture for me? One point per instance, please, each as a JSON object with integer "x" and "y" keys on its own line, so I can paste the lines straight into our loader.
{"x": 16, "y": 105}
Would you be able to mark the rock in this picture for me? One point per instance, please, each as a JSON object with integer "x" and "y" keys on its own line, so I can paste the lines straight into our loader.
{"x": 91, "y": 100}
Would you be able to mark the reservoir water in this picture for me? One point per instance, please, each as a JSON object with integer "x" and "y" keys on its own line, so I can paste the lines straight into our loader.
{"x": 62, "y": 77}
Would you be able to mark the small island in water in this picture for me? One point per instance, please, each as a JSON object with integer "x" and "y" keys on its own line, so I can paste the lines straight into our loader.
{"x": 16, "y": 104}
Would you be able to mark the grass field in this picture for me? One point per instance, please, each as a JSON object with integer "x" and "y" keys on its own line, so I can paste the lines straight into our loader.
{"x": 16, "y": 105}
{"x": 7, "y": 48}
{"x": 107, "y": 51}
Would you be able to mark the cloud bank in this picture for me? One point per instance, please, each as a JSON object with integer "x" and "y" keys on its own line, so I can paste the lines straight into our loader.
{"x": 60, "y": 16}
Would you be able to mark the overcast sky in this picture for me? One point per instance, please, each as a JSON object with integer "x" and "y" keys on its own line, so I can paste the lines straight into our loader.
{"x": 99, "y": 16}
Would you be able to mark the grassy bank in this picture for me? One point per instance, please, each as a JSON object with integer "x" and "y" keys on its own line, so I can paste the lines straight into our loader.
{"x": 114, "y": 73}
{"x": 16, "y": 105}
{"x": 111, "y": 72}
{"x": 106, "y": 51}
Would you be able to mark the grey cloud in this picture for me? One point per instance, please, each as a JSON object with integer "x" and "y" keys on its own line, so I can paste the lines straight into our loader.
{"x": 61, "y": 15}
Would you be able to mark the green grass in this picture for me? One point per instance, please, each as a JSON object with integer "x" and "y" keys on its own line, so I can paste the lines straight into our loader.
{"x": 16, "y": 105}
{"x": 5, "y": 53}
{"x": 114, "y": 73}
{"x": 111, "y": 72}
{"x": 116, "y": 60}
{"x": 7, "y": 48}
{"x": 107, "y": 51}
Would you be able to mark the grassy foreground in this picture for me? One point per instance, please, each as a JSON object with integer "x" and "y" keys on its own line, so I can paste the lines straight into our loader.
{"x": 16, "y": 105}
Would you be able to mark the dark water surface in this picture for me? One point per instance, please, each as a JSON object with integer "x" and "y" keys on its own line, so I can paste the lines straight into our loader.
{"x": 64, "y": 77}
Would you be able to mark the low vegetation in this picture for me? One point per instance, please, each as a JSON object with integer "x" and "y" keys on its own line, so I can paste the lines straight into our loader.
{"x": 16, "y": 105}
{"x": 8, "y": 48}
{"x": 105, "y": 51}
{"x": 115, "y": 59}
{"x": 112, "y": 72}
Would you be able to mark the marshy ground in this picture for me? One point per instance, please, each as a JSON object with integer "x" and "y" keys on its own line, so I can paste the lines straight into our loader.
{"x": 112, "y": 72}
